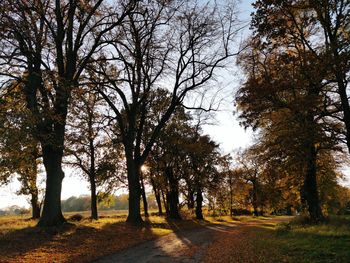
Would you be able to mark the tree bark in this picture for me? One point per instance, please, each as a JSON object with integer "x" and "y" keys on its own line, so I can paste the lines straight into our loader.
{"x": 94, "y": 212}
{"x": 310, "y": 187}
{"x": 92, "y": 172}
{"x": 165, "y": 202}
{"x": 345, "y": 107}
{"x": 134, "y": 216}
{"x": 157, "y": 194}
{"x": 190, "y": 199}
{"x": 52, "y": 213}
{"x": 255, "y": 197}
{"x": 173, "y": 194}
{"x": 231, "y": 194}
{"x": 144, "y": 198}
{"x": 35, "y": 205}
{"x": 199, "y": 203}
{"x": 33, "y": 174}
{"x": 159, "y": 203}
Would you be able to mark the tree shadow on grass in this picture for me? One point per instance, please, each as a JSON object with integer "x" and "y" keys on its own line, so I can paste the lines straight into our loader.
{"x": 87, "y": 240}
{"x": 17, "y": 243}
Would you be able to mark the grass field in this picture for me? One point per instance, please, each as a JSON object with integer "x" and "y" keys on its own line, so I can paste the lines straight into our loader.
{"x": 260, "y": 239}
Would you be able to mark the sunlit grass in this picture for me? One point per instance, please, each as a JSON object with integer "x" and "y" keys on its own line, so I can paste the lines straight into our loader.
{"x": 12, "y": 223}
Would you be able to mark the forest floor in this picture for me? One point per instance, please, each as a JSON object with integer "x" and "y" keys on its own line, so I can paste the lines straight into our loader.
{"x": 220, "y": 239}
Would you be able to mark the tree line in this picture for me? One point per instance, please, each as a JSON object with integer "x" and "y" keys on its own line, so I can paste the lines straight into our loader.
{"x": 114, "y": 89}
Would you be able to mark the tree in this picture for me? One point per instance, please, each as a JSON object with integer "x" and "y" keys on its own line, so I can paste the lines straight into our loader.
{"x": 203, "y": 154}
{"x": 168, "y": 158}
{"x": 89, "y": 147}
{"x": 285, "y": 96}
{"x": 51, "y": 43}
{"x": 167, "y": 44}
{"x": 322, "y": 27}
{"x": 19, "y": 151}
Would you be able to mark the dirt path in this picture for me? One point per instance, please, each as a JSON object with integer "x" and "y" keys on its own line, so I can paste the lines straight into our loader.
{"x": 183, "y": 246}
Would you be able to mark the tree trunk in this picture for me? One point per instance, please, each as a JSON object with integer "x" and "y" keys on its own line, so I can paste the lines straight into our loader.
{"x": 159, "y": 202}
{"x": 157, "y": 195}
{"x": 92, "y": 172}
{"x": 52, "y": 213}
{"x": 231, "y": 195}
{"x": 199, "y": 203}
{"x": 190, "y": 199}
{"x": 35, "y": 205}
{"x": 341, "y": 78}
{"x": 94, "y": 212}
{"x": 310, "y": 187}
{"x": 173, "y": 194}
{"x": 33, "y": 174}
{"x": 144, "y": 198}
{"x": 134, "y": 216}
{"x": 165, "y": 202}
{"x": 345, "y": 107}
{"x": 255, "y": 197}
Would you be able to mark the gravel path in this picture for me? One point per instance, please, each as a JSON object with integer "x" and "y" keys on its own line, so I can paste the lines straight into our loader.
{"x": 184, "y": 246}
{"x": 187, "y": 246}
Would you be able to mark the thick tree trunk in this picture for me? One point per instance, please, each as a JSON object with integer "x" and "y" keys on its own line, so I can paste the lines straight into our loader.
{"x": 94, "y": 212}
{"x": 310, "y": 187}
{"x": 52, "y": 213}
{"x": 173, "y": 194}
{"x": 199, "y": 204}
{"x": 134, "y": 216}
{"x": 144, "y": 198}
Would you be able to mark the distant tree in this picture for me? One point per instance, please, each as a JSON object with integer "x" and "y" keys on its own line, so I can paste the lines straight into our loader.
{"x": 203, "y": 155}
{"x": 167, "y": 160}
{"x": 76, "y": 204}
{"x": 88, "y": 146}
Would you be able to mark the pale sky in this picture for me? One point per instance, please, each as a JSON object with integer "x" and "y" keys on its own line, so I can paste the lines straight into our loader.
{"x": 226, "y": 132}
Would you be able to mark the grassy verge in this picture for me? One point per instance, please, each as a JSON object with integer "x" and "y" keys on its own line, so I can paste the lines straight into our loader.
{"x": 299, "y": 242}
{"x": 83, "y": 241}
{"x": 268, "y": 240}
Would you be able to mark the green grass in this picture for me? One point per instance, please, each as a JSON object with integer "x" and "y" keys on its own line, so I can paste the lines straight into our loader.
{"x": 298, "y": 242}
